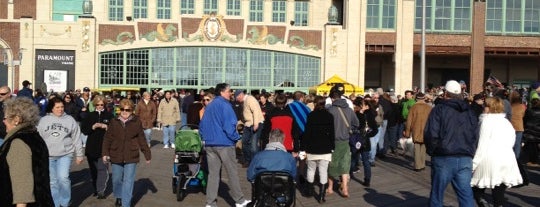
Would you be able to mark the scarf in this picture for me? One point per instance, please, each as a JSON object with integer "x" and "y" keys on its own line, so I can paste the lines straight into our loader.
{"x": 275, "y": 146}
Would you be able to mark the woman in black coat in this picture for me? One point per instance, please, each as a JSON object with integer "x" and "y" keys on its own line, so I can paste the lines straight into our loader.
{"x": 366, "y": 115}
{"x": 70, "y": 107}
{"x": 531, "y": 135}
{"x": 318, "y": 142}
{"x": 95, "y": 125}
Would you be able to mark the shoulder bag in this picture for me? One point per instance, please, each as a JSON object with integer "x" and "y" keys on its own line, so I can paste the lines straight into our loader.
{"x": 357, "y": 138}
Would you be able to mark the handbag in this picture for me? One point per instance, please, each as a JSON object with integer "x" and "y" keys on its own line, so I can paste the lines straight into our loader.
{"x": 357, "y": 138}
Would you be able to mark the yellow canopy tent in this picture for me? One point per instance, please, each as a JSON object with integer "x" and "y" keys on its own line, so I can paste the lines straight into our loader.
{"x": 324, "y": 88}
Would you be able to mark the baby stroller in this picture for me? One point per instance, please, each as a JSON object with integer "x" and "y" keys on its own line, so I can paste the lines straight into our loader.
{"x": 273, "y": 189}
{"x": 187, "y": 170}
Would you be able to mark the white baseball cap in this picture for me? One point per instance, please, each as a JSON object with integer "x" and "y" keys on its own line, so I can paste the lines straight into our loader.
{"x": 453, "y": 86}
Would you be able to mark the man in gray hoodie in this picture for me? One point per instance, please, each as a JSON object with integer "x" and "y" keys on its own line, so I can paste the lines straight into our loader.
{"x": 344, "y": 121}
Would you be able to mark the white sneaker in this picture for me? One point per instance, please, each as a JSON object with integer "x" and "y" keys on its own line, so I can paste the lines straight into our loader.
{"x": 173, "y": 146}
{"x": 166, "y": 146}
{"x": 243, "y": 204}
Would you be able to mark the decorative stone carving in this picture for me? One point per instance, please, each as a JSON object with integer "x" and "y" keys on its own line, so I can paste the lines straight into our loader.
{"x": 261, "y": 36}
{"x": 43, "y": 32}
{"x": 298, "y": 42}
{"x": 211, "y": 28}
{"x": 163, "y": 35}
{"x": 85, "y": 36}
{"x": 122, "y": 38}
{"x": 26, "y": 25}
{"x": 333, "y": 46}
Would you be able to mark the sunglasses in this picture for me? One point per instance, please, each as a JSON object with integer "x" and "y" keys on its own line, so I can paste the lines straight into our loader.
{"x": 3, "y": 94}
{"x": 126, "y": 110}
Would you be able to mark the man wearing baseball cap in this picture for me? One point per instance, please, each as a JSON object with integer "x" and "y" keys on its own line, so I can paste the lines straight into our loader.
{"x": 26, "y": 91}
{"x": 450, "y": 137}
{"x": 253, "y": 119}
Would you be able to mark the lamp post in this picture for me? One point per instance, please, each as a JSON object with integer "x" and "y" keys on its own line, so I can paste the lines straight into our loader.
{"x": 423, "y": 50}
{"x": 12, "y": 63}
{"x": 9, "y": 64}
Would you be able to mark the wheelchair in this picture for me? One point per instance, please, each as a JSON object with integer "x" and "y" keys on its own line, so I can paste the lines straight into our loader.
{"x": 273, "y": 189}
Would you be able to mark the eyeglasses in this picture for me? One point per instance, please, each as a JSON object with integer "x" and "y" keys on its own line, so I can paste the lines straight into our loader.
{"x": 3, "y": 94}
{"x": 206, "y": 99}
{"x": 126, "y": 110}
{"x": 100, "y": 105}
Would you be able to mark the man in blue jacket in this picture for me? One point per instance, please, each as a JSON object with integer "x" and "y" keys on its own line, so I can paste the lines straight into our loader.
{"x": 451, "y": 139}
{"x": 26, "y": 91}
{"x": 274, "y": 158}
{"x": 218, "y": 132}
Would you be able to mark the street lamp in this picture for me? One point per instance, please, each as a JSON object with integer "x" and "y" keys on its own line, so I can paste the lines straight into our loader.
{"x": 8, "y": 64}
{"x": 4, "y": 54}
{"x": 12, "y": 63}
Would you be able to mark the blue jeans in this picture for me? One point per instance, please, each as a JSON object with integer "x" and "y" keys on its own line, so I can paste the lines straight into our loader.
{"x": 382, "y": 131}
{"x": 123, "y": 179}
{"x": 366, "y": 165}
{"x": 250, "y": 141}
{"x": 60, "y": 183}
{"x": 374, "y": 141}
{"x": 517, "y": 144}
{"x": 168, "y": 134}
{"x": 454, "y": 169}
{"x": 148, "y": 135}
{"x": 183, "y": 118}
{"x": 391, "y": 138}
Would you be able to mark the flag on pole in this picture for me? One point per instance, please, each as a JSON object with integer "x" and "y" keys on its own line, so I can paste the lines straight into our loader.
{"x": 494, "y": 81}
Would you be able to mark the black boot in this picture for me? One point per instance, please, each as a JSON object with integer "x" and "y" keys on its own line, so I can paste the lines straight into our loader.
{"x": 478, "y": 194}
{"x": 118, "y": 202}
{"x": 322, "y": 193}
{"x": 308, "y": 189}
{"x": 366, "y": 182}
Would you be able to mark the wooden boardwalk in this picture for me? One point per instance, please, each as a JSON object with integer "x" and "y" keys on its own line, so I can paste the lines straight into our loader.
{"x": 393, "y": 184}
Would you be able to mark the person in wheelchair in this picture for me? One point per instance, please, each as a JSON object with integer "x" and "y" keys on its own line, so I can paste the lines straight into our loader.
{"x": 272, "y": 173}
{"x": 274, "y": 158}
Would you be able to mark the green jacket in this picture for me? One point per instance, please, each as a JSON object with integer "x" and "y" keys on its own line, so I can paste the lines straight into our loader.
{"x": 406, "y": 106}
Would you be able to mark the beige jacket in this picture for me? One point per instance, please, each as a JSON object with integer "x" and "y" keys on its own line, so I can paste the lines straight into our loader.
{"x": 416, "y": 121}
{"x": 168, "y": 112}
{"x": 252, "y": 111}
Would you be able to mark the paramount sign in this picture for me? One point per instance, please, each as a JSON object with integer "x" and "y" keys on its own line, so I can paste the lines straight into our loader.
{"x": 63, "y": 59}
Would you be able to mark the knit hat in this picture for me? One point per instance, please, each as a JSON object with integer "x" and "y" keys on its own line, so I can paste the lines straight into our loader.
{"x": 535, "y": 85}
{"x": 420, "y": 96}
{"x": 237, "y": 92}
{"x": 453, "y": 86}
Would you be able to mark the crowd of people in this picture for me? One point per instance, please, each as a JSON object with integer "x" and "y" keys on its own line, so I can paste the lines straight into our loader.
{"x": 486, "y": 136}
